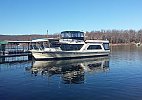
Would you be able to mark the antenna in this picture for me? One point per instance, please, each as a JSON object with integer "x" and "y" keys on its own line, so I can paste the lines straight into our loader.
{"x": 47, "y": 38}
{"x": 47, "y": 33}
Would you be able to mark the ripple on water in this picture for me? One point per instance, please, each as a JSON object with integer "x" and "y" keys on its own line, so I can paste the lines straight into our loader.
{"x": 120, "y": 80}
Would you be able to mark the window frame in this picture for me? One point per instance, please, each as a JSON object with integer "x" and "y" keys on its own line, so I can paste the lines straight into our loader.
{"x": 98, "y": 48}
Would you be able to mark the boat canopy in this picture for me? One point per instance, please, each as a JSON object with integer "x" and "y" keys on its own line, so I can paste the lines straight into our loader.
{"x": 72, "y": 35}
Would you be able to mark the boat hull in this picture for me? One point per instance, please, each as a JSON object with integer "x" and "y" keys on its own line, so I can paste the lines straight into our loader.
{"x": 67, "y": 55}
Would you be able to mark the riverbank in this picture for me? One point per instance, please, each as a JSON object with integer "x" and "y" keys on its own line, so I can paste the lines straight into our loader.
{"x": 120, "y": 44}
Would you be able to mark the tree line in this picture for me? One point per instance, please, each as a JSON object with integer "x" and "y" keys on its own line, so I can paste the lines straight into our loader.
{"x": 116, "y": 36}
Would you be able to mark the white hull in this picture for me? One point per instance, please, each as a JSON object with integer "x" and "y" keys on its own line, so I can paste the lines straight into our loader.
{"x": 62, "y": 54}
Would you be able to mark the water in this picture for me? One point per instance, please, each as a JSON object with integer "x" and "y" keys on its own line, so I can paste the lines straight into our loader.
{"x": 118, "y": 77}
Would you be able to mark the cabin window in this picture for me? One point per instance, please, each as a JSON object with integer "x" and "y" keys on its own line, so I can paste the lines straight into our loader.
{"x": 93, "y": 47}
{"x": 81, "y": 34}
{"x": 54, "y": 45}
{"x": 72, "y": 35}
{"x": 66, "y": 35}
{"x": 106, "y": 46}
{"x": 71, "y": 47}
{"x": 62, "y": 35}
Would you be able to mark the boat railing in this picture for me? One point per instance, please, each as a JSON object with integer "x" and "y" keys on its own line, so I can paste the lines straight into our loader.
{"x": 70, "y": 40}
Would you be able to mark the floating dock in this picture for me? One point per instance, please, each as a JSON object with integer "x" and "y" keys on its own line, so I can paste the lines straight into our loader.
{"x": 11, "y": 51}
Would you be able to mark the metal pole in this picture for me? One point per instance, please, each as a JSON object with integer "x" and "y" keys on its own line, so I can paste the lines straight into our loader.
{"x": 47, "y": 33}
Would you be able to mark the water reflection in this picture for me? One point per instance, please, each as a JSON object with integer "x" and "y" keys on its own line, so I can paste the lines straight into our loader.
{"x": 71, "y": 71}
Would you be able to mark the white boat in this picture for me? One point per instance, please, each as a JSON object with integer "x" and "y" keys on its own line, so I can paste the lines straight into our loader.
{"x": 73, "y": 45}
{"x": 138, "y": 44}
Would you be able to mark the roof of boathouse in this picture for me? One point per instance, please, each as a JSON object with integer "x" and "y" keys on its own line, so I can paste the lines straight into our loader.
{"x": 3, "y": 42}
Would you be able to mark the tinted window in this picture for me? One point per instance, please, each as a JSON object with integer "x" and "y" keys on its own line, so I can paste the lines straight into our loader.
{"x": 92, "y": 47}
{"x": 70, "y": 47}
{"x": 72, "y": 35}
{"x": 106, "y": 46}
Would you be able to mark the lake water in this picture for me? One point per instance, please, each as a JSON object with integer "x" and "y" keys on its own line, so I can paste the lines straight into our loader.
{"x": 118, "y": 77}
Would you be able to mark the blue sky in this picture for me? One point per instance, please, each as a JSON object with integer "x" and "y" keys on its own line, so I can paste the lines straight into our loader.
{"x": 36, "y": 16}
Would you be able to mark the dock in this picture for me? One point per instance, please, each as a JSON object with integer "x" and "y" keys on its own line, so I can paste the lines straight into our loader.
{"x": 11, "y": 51}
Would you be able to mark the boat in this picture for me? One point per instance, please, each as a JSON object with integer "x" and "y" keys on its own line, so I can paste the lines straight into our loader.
{"x": 73, "y": 45}
{"x": 138, "y": 44}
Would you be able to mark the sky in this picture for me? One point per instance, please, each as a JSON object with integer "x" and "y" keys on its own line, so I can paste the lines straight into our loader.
{"x": 38, "y": 16}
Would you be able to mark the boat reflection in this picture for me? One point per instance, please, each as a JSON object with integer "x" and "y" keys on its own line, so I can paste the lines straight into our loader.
{"x": 71, "y": 71}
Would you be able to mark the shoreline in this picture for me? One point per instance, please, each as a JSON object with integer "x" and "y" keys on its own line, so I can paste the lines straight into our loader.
{"x": 120, "y": 44}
